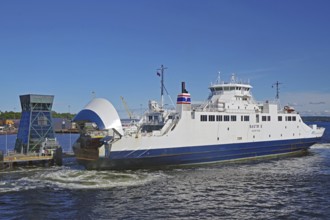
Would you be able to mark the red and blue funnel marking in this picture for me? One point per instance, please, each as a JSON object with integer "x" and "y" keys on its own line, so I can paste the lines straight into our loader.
{"x": 183, "y": 98}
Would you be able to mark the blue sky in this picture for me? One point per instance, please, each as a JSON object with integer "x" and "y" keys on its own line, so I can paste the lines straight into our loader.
{"x": 71, "y": 49}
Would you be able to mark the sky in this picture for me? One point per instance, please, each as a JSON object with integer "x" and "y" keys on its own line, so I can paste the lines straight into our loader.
{"x": 80, "y": 49}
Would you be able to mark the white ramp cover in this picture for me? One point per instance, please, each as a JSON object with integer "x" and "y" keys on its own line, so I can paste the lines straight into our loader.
{"x": 102, "y": 113}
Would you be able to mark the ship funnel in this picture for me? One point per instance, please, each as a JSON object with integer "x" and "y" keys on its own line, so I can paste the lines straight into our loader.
{"x": 183, "y": 102}
{"x": 183, "y": 87}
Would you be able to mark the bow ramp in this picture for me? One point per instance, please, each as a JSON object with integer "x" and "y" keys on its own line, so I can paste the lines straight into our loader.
{"x": 101, "y": 112}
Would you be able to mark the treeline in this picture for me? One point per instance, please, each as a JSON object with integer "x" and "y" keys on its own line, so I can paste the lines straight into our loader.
{"x": 10, "y": 115}
{"x": 17, "y": 115}
{"x": 62, "y": 115}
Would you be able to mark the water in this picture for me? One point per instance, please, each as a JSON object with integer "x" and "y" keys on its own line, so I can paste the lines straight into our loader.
{"x": 65, "y": 140}
{"x": 289, "y": 188}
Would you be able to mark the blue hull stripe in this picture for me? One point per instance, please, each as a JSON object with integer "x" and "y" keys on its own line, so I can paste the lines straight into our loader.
{"x": 222, "y": 149}
{"x": 198, "y": 154}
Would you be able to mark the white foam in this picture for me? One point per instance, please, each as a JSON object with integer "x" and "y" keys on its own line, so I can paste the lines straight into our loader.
{"x": 68, "y": 178}
{"x": 321, "y": 146}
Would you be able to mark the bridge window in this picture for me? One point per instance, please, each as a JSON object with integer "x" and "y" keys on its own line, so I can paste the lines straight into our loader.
{"x": 219, "y": 117}
{"x": 203, "y": 117}
{"x": 233, "y": 118}
{"x": 226, "y": 118}
{"x": 265, "y": 118}
{"x": 279, "y": 118}
{"x": 211, "y": 117}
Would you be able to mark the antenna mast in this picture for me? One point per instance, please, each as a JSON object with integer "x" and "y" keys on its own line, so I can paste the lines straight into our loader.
{"x": 277, "y": 84}
{"x": 162, "y": 68}
{"x": 219, "y": 78}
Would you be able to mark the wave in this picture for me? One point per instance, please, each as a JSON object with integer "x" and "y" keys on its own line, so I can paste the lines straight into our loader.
{"x": 321, "y": 146}
{"x": 68, "y": 178}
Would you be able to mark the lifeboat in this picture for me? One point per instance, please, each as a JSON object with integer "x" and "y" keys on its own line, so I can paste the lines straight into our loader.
{"x": 289, "y": 109}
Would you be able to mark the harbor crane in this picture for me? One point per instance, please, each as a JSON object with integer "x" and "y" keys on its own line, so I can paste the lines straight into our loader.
{"x": 130, "y": 115}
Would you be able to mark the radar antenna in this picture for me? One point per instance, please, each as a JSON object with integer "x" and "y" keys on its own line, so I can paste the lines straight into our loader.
{"x": 233, "y": 78}
{"x": 161, "y": 74}
{"x": 219, "y": 78}
{"x": 277, "y": 85}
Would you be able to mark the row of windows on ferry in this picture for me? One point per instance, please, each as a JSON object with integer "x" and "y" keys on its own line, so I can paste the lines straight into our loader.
{"x": 243, "y": 118}
{"x": 231, "y": 88}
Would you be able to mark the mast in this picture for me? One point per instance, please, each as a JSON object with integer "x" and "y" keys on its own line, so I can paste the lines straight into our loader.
{"x": 162, "y": 68}
{"x": 219, "y": 78}
{"x": 277, "y": 84}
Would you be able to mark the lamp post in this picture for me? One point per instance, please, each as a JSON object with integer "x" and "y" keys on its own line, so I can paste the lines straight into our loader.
{"x": 6, "y": 145}
{"x": 70, "y": 128}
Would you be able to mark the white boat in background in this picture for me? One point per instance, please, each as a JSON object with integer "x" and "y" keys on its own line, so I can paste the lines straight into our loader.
{"x": 230, "y": 125}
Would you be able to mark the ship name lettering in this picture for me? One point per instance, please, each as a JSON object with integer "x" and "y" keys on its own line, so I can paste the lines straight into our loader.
{"x": 255, "y": 126}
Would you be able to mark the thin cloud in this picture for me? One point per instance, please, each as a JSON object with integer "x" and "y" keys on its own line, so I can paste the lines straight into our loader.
{"x": 308, "y": 103}
{"x": 317, "y": 103}
{"x": 256, "y": 73}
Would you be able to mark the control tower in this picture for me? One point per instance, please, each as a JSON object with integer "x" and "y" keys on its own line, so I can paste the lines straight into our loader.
{"x": 36, "y": 133}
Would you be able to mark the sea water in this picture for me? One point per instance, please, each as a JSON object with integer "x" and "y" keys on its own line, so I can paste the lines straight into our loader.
{"x": 287, "y": 188}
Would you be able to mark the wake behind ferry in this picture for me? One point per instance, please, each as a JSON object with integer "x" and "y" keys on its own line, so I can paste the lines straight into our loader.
{"x": 230, "y": 125}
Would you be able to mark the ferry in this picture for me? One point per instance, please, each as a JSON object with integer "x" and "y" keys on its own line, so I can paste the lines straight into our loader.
{"x": 230, "y": 125}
